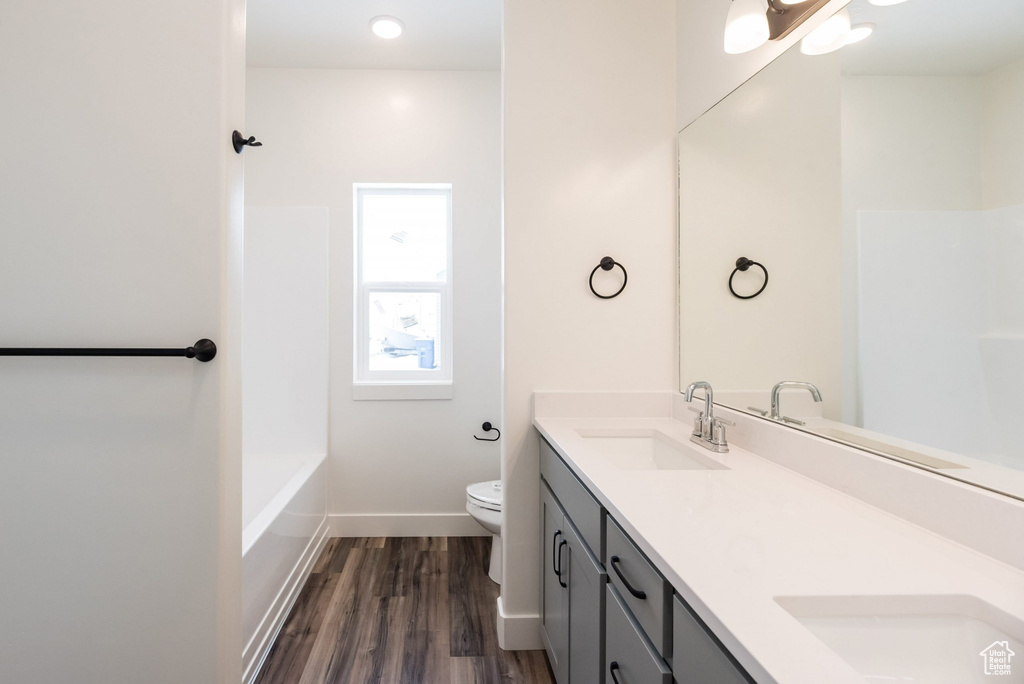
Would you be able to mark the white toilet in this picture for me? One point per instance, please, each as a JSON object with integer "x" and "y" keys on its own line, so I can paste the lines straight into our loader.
{"x": 483, "y": 502}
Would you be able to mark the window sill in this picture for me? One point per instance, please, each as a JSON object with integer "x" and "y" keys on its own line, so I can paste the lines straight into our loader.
{"x": 393, "y": 391}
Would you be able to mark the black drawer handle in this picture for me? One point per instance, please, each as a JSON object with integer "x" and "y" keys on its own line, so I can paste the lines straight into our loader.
{"x": 636, "y": 594}
{"x": 612, "y": 668}
{"x": 554, "y": 566}
{"x": 560, "y": 545}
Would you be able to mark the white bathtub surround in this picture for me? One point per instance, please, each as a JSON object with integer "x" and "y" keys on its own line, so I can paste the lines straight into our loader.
{"x": 284, "y": 345}
{"x": 795, "y": 516}
{"x": 284, "y": 406}
{"x": 285, "y": 528}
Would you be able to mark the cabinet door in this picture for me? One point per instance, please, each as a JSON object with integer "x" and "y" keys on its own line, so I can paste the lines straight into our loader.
{"x": 586, "y": 611}
{"x": 554, "y": 587}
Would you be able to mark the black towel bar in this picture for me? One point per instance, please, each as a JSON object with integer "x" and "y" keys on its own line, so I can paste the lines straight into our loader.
{"x": 203, "y": 350}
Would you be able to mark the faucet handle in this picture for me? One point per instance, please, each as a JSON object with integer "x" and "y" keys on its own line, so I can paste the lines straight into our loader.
{"x": 716, "y": 419}
{"x": 695, "y": 409}
{"x": 762, "y": 412}
{"x": 718, "y": 434}
{"x": 792, "y": 421}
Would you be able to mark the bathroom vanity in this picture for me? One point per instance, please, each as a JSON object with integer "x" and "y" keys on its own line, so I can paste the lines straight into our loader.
{"x": 788, "y": 559}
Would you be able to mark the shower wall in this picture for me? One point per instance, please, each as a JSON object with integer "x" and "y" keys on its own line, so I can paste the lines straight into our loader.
{"x": 284, "y": 346}
{"x": 938, "y": 315}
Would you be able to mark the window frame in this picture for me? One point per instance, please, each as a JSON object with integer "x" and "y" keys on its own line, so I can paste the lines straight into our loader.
{"x": 400, "y": 384}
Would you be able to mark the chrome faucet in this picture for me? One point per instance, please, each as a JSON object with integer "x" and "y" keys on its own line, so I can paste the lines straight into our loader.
{"x": 708, "y": 431}
{"x": 776, "y": 411}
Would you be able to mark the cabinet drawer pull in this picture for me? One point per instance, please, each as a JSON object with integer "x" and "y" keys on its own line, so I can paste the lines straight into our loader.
{"x": 636, "y": 593}
{"x": 558, "y": 571}
{"x": 612, "y": 668}
{"x": 560, "y": 545}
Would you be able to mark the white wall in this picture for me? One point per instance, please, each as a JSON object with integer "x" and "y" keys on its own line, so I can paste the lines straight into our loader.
{"x": 284, "y": 348}
{"x": 769, "y": 192}
{"x": 120, "y": 492}
{"x": 705, "y": 73}
{"x": 589, "y": 172}
{"x": 396, "y": 467}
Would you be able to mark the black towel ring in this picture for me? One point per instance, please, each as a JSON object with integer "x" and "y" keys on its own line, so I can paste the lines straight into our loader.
{"x": 742, "y": 264}
{"x": 607, "y": 263}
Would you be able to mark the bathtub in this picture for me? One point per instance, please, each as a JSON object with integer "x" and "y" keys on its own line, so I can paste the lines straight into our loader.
{"x": 284, "y": 529}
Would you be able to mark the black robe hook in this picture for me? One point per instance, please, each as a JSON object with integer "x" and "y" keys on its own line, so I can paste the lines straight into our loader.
{"x": 238, "y": 142}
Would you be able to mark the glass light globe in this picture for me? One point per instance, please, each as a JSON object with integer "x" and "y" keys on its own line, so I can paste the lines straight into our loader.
{"x": 746, "y": 27}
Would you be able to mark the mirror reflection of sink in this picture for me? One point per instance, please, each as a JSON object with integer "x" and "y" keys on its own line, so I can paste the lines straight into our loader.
{"x": 890, "y": 449}
{"x": 646, "y": 449}
{"x": 934, "y": 639}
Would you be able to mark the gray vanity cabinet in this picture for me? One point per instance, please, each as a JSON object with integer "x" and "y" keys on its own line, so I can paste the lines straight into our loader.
{"x": 554, "y": 613}
{"x": 572, "y": 576}
{"x": 626, "y": 628}
{"x": 697, "y": 657}
{"x": 572, "y": 593}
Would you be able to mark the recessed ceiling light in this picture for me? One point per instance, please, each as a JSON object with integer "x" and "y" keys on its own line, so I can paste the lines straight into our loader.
{"x": 885, "y": 3}
{"x": 386, "y": 27}
{"x": 859, "y": 32}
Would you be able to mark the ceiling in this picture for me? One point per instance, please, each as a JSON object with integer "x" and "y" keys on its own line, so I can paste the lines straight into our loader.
{"x": 936, "y": 37}
{"x": 443, "y": 35}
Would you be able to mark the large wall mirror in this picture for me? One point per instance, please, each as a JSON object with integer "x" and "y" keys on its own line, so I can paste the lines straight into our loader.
{"x": 882, "y": 187}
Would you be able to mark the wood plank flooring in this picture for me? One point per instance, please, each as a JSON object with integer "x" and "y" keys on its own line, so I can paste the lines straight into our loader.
{"x": 399, "y": 611}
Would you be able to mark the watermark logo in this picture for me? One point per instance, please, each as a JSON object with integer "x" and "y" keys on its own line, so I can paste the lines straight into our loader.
{"x": 997, "y": 658}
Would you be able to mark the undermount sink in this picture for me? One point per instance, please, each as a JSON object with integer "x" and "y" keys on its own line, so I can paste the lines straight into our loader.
{"x": 933, "y": 639}
{"x": 646, "y": 449}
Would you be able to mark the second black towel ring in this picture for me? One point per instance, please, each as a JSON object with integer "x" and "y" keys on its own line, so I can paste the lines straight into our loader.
{"x": 742, "y": 264}
{"x": 607, "y": 263}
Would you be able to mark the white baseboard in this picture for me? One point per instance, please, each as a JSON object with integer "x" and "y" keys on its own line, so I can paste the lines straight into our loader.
{"x": 405, "y": 525}
{"x": 255, "y": 652}
{"x": 518, "y": 632}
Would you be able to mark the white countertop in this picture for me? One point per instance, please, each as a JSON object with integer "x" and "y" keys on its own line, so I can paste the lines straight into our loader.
{"x": 730, "y": 541}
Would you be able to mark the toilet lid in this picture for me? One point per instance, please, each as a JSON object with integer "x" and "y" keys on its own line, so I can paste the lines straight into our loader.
{"x": 486, "y": 494}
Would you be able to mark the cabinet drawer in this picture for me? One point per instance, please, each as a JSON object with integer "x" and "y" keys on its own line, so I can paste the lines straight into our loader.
{"x": 697, "y": 657}
{"x": 651, "y": 597}
{"x": 629, "y": 657}
{"x": 579, "y": 505}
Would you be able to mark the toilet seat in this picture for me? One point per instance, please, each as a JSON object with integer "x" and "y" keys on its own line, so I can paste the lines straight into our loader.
{"x": 485, "y": 494}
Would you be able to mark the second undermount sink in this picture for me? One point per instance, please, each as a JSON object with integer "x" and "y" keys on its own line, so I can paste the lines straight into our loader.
{"x": 646, "y": 449}
{"x": 933, "y": 639}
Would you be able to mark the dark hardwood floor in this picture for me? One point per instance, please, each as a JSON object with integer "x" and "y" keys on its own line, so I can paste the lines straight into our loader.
{"x": 399, "y": 611}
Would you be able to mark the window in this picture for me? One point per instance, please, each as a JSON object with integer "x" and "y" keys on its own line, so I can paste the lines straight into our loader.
{"x": 403, "y": 324}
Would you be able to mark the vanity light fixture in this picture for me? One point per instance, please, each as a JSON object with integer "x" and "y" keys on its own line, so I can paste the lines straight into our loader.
{"x": 752, "y": 23}
{"x": 746, "y": 27}
{"x": 828, "y": 37}
{"x": 835, "y": 33}
{"x": 859, "y": 32}
{"x": 386, "y": 27}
